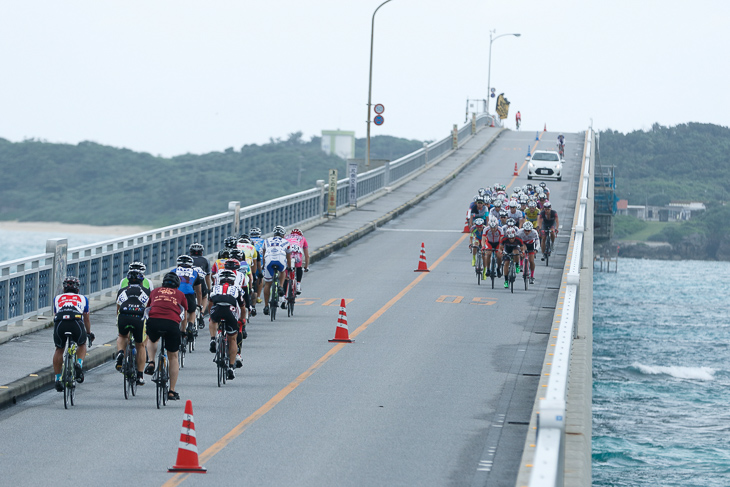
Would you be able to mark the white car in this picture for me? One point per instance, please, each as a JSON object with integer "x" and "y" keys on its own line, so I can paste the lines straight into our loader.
{"x": 545, "y": 164}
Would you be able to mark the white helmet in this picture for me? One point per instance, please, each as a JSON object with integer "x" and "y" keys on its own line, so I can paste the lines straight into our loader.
{"x": 527, "y": 227}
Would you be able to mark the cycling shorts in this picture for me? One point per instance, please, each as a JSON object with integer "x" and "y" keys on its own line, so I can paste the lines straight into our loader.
{"x": 491, "y": 245}
{"x": 510, "y": 249}
{"x": 223, "y": 313}
{"x": 530, "y": 247}
{"x": 271, "y": 267}
{"x": 73, "y": 325}
{"x": 156, "y": 327}
{"x": 192, "y": 302}
{"x": 135, "y": 322}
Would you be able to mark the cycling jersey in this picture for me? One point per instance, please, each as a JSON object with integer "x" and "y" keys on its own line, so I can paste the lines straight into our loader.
{"x": 258, "y": 243}
{"x": 276, "y": 248}
{"x": 146, "y": 283}
{"x": 201, "y": 263}
{"x": 167, "y": 303}
{"x": 517, "y": 215}
{"x": 249, "y": 251}
{"x": 189, "y": 276}
{"x": 68, "y": 309}
{"x": 548, "y": 221}
{"x": 297, "y": 241}
{"x": 511, "y": 244}
{"x": 75, "y": 303}
{"x": 531, "y": 214}
{"x": 477, "y": 232}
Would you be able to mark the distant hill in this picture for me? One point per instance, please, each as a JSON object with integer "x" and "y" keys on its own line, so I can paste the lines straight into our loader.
{"x": 101, "y": 185}
{"x": 689, "y": 162}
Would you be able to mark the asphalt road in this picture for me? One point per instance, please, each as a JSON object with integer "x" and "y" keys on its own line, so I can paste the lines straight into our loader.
{"x": 436, "y": 389}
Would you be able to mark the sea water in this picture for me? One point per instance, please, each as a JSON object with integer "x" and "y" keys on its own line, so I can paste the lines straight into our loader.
{"x": 661, "y": 374}
{"x": 18, "y": 244}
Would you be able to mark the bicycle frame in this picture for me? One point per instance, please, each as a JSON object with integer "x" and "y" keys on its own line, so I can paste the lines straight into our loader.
{"x": 162, "y": 374}
{"x": 68, "y": 374}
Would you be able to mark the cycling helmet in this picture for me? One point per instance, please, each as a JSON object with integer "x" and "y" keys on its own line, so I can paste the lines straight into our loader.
{"x": 523, "y": 199}
{"x": 230, "y": 242}
{"x": 135, "y": 276}
{"x": 137, "y": 266}
{"x": 511, "y": 232}
{"x": 487, "y": 200}
{"x": 244, "y": 239}
{"x": 502, "y": 214}
{"x": 547, "y": 204}
{"x": 224, "y": 254}
{"x": 527, "y": 227}
{"x": 531, "y": 204}
{"x": 497, "y": 203}
{"x": 71, "y": 284}
{"x": 237, "y": 254}
{"x": 255, "y": 232}
{"x": 479, "y": 222}
{"x": 279, "y": 231}
{"x": 478, "y": 199}
{"x": 529, "y": 187}
{"x": 295, "y": 231}
{"x": 513, "y": 203}
{"x": 185, "y": 261}
{"x": 511, "y": 222}
{"x": 542, "y": 185}
{"x": 171, "y": 280}
{"x": 226, "y": 277}
{"x": 493, "y": 222}
{"x": 233, "y": 264}
{"x": 541, "y": 195}
{"x": 196, "y": 249}
{"x": 516, "y": 189}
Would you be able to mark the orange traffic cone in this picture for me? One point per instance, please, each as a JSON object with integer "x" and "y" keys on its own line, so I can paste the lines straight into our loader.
{"x": 545, "y": 129}
{"x": 422, "y": 267}
{"x": 466, "y": 222}
{"x": 492, "y": 123}
{"x": 187, "y": 452}
{"x": 342, "y": 334}
{"x": 516, "y": 173}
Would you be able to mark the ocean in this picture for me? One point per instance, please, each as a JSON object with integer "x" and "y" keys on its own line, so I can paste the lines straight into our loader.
{"x": 661, "y": 374}
{"x": 17, "y": 244}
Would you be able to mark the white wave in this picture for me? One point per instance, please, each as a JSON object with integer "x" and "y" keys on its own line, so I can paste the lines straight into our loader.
{"x": 698, "y": 373}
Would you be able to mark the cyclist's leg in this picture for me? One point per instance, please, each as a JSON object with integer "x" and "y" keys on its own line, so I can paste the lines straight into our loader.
{"x": 172, "y": 345}
{"x": 268, "y": 278}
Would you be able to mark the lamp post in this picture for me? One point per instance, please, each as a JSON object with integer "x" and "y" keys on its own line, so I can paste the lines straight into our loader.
{"x": 489, "y": 75}
{"x": 370, "y": 86}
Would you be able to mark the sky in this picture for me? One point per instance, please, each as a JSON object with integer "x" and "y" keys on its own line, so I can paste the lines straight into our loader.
{"x": 171, "y": 77}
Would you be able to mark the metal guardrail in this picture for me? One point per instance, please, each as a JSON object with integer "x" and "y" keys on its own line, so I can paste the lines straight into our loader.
{"x": 548, "y": 463}
{"x": 28, "y": 285}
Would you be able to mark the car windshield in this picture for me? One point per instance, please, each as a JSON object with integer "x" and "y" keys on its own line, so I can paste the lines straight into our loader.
{"x": 546, "y": 156}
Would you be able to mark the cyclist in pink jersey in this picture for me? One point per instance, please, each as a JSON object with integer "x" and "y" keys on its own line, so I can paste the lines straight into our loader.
{"x": 296, "y": 237}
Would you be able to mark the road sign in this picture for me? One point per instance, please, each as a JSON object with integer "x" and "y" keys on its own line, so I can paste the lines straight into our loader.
{"x": 379, "y": 108}
{"x": 379, "y": 120}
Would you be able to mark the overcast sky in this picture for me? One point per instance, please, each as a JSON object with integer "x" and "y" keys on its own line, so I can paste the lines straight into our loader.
{"x": 172, "y": 76}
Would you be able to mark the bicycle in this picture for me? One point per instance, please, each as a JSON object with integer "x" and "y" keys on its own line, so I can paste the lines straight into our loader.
{"x": 191, "y": 332}
{"x": 199, "y": 319}
{"x": 68, "y": 373}
{"x": 561, "y": 151}
{"x": 183, "y": 346}
{"x": 478, "y": 263}
{"x": 512, "y": 272}
{"x": 290, "y": 285}
{"x": 548, "y": 247}
{"x": 161, "y": 376}
{"x": 526, "y": 270}
{"x": 274, "y": 298}
{"x": 129, "y": 367}
{"x": 221, "y": 353}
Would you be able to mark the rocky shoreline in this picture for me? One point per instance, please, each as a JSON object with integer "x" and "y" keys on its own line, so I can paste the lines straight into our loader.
{"x": 693, "y": 247}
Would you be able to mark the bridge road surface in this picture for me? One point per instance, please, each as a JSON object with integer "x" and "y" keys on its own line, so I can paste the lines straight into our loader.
{"x": 437, "y": 388}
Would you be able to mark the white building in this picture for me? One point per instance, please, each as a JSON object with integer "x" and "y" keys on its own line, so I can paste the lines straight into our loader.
{"x": 339, "y": 143}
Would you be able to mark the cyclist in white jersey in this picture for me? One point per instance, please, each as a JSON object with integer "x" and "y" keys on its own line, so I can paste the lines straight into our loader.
{"x": 277, "y": 256}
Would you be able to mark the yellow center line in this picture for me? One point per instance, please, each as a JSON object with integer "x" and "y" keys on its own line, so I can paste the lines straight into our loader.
{"x": 216, "y": 447}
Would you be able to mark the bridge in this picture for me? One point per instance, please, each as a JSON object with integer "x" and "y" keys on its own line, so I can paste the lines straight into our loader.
{"x": 447, "y": 382}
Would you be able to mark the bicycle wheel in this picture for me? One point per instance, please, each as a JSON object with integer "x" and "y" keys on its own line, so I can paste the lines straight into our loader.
{"x": 67, "y": 379}
{"x": 290, "y": 298}
{"x": 512, "y": 277}
{"x": 219, "y": 358}
{"x": 525, "y": 276}
{"x": 73, "y": 392}
{"x": 165, "y": 378}
{"x": 181, "y": 353}
{"x": 479, "y": 268}
{"x": 224, "y": 362}
{"x": 548, "y": 248}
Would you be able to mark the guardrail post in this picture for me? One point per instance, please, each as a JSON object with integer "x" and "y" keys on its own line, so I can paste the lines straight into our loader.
{"x": 425, "y": 153}
{"x": 59, "y": 248}
{"x": 455, "y": 137}
{"x": 386, "y": 174}
{"x": 235, "y": 207}
{"x": 473, "y": 123}
{"x": 320, "y": 186}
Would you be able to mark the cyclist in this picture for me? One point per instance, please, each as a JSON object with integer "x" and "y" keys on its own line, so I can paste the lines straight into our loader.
{"x": 166, "y": 315}
{"x": 561, "y": 145}
{"x": 241, "y": 269}
{"x": 475, "y": 240}
{"x": 137, "y": 266}
{"x": 518, "y": 120}
{"x": 249, "y": 254}
{"x": 301, "y": 259}
{"x": 530, "y": 237}
{"x": 496, "y": 208}
{"x": 71, "y": 313}
{"x": 541, "y": 199}
{"x": 258, "y": 242}
{"x": 203, "y": 265}
{"x": 190, "y": 285}
{"x": 277, "y": 256}
{"x": 477, "y": 209}
{"x": 132, "y": 300}
{"x": 514, "y": 213}
{"x": 531, "y": 212}
{"x": 545, "y": 189}
{"x": 547, "y": 221}
{"x": 512, "y": 245}
{"x": 226, "y": 300}
{"x": 490, "y": 242}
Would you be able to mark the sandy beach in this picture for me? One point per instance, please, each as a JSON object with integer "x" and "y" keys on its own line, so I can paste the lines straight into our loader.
{"x": 68, "y": 228}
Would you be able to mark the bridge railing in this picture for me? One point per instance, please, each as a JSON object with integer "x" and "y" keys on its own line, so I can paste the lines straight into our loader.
{"x": 28, "y": 285}
{"x": 549, "y": 456}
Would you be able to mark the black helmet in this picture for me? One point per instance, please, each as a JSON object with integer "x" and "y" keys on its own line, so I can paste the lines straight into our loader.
{"x": 255, "y": 232}
{"x": 135, "y": 276}
{"x": 279, "y": 231}
{"x": 237, "y": 254}
{"x": 230, "y": 242}
{"x": 171, "y": 280}
{"x": 233, "y": 264}
{"x": 224, "y": 254}
{"x": 226, "y": 277}
{"x": 196, "y": 249}
{"x": 71, "y": 285}
{"x": 138, "y": 266}
{"x": 185, "y": 261}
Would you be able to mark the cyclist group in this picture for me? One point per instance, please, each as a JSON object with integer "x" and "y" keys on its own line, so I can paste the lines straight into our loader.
{"x": 227, "y": 291}
{"x": 500, "y": 224}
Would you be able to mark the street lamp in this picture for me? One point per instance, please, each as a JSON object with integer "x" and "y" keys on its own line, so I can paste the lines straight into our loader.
{"x": 489, "y": 75}
{"x": 370, "y": 85}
